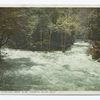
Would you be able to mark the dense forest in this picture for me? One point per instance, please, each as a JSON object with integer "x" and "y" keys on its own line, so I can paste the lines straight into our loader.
{"x": 49, "y": 29}
{"x": 39, "y": 29}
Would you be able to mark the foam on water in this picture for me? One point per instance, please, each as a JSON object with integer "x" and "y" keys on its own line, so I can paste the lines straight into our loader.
{"x": 72, "y": 70}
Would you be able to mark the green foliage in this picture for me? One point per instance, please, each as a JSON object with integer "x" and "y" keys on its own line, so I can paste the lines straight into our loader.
{"x": 93, "y": 23}
{"x": 42, "y": 28}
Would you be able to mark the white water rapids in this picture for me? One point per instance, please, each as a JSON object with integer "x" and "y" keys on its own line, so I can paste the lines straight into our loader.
{"x": 54, "y": 71}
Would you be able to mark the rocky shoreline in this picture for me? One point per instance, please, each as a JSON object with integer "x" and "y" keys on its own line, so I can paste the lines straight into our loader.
{"x": 95, "y": 50}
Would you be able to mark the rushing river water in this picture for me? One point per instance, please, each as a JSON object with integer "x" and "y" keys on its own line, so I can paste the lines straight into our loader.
{"x": 54, "y": 71}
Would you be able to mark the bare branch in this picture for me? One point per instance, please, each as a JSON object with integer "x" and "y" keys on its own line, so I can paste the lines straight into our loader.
{"x": 5, "y": 41}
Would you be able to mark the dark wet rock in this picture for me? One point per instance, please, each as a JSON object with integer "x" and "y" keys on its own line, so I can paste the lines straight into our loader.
{"x": 95, "y": 50}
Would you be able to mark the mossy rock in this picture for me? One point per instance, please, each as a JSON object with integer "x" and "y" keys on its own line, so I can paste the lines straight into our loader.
{"x": 95, "y": 53}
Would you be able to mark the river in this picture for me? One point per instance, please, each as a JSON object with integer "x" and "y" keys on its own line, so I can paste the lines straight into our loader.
{"x": 73, "y": 70}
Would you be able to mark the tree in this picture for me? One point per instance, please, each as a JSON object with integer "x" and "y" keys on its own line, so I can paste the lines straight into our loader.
{"x": 11, "y": 20}
{"x": 94, "y": 32}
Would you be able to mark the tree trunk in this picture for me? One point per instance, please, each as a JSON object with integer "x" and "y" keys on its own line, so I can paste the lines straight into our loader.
{"x": 49, "y": 44}
{"x": 41, "y": 38}
{"x": 0, "y": 52}
{"x": 62, "y": 42}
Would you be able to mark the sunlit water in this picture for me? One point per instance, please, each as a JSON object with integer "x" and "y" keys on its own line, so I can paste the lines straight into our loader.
{"x": 54, "y": 71}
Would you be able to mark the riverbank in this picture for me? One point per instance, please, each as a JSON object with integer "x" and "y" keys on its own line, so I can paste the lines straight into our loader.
{"x": 95, "y": 50}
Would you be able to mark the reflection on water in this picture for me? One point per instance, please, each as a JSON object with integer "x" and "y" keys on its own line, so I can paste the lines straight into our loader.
{"x": 54, "y": 71}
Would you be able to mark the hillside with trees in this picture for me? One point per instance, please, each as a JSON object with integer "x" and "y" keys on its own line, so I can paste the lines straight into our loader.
{"x": 49, "y": 29}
